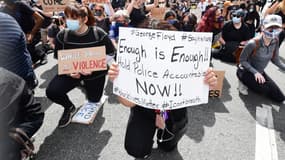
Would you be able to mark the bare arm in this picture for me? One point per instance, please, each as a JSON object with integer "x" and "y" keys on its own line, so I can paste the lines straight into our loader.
{"x": 272, "y": 9}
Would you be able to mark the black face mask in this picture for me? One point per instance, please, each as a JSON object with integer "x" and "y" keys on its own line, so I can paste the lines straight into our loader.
{"x": 188, "y": 27}
{"x": 98, "y": 13}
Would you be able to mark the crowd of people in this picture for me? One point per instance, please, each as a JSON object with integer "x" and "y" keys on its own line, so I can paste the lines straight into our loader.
{"x": 241, "y": 36}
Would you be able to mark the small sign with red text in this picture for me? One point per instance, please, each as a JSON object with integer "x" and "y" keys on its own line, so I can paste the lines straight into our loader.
{"x": 83, "y": 59}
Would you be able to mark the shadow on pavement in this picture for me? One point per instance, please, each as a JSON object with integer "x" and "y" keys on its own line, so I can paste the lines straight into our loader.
{"x": 278, "y": 114}
{"x": 204, "y": 115}
{"x": 112, "y": 98}
{"x": 76, "y": 142}
{"x": 47, "y": 76}
{"x": 45, "y": 102}
{"x": 158, "y": 154}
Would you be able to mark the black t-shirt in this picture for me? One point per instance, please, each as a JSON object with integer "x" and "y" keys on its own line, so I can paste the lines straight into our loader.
{"x": 23, "y": 15}
{"x": 230, "y": 33}
{"x": 104, "y": 24}
{"x": 70, "y": 40}
{"x": 137, "y": 16}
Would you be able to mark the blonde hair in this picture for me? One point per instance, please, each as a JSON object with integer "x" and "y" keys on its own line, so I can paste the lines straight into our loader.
{"x": 282, "y": 5}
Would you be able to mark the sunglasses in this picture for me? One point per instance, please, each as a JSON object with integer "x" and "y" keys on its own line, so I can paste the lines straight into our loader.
{"x": 234, "y": 15}
{"x": 161, "y": 2}
{"x": 98, "y": 10}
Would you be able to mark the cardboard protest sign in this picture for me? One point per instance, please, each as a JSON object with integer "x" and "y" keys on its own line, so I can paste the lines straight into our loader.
{"x": 217, "y": 91}
{"x": 158, "y": 13}
{"x": 83, "y": 59}
{"x": 162, "y": 69}
{"x": 54, "y": 5}
{"x": 86, "y": 114}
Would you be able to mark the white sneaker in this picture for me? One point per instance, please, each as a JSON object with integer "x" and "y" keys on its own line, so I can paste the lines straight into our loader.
{"x": 242, "y": 88}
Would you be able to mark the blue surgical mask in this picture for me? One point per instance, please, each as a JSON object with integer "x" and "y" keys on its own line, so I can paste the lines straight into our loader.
{"x": 172, "y": 21}
{"x": 236, "y": 20}
{"x": 271, "y": 35}
{"x": 72, "y": 24}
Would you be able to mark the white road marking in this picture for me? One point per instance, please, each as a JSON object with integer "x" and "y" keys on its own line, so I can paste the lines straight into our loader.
{"x": 266, "y": 148}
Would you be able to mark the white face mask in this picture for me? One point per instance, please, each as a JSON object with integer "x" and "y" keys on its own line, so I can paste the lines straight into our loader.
{"x": 72, "y": 24}
{"x": 236, "y": 20}
{"x": 272, "y": 35}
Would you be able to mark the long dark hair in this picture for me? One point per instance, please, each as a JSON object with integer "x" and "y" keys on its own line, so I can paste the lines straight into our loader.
{"x": 208, "y": 21}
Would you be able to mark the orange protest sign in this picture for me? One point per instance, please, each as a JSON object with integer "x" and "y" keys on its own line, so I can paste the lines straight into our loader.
{"x": 54, "y": 5}
{"x": 158, "y": 13}
{"x": 83, "y": 59}
{"x": 217, "y": 91}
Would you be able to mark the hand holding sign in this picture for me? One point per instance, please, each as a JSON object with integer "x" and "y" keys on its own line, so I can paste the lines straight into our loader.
{"x": 81, "y": 61}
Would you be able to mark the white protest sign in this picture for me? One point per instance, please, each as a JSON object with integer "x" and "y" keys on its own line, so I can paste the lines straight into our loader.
{"x": 162, "y": 69}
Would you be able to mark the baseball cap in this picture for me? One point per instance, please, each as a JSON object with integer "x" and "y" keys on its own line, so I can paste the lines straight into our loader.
{"x": 272, "y": 20}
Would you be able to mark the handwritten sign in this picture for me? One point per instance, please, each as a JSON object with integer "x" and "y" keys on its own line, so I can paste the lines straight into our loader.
{"x": 83, "y": 59}
{"x": 86, "y": 114}
{"x": 217, "y": 91}
{"x": 158, "y": 13}
{"x": 54, "y": 5}
{"x": 162, "y": 69}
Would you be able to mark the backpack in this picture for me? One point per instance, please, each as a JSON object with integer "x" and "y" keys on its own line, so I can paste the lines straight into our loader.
{"x": 253, "y": 53}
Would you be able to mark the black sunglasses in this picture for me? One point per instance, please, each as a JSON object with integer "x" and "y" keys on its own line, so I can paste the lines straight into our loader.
{"x": 234, "y": 15}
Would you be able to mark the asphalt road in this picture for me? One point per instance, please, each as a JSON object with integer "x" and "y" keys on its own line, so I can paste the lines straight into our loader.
{"x": 223, "y": 129}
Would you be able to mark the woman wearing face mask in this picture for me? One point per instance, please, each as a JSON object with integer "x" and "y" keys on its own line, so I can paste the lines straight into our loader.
{"x": 256, "y": 56}
{"x": 120, "y": 19}
{"x": 79, "y": 35}
{"x": 212, "y": 21}
{"x": 235, "y": 34}
{"x": 252, "y": 19}
{"x": 189, "y": 22}
{"x": 101, "y": 19}
{"x": 138, "y": 11}
{"x": 278, "y": 8}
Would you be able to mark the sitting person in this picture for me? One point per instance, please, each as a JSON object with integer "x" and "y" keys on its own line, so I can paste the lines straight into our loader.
{"x": 256, "y": 56}
{"x": 235, "y": 34}
{"x": 20, "y": 116}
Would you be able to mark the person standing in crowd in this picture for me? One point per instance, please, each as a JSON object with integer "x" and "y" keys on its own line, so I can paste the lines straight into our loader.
{"x": 235, "y": 35}
{"x": 278, "y": 8}
{"x": 30, "y": 22}
{"x": 19, "y": 115}
{"x": 101, "y": 19}
{"x": 138, "y": 11}
{"x": 143, "y": 122}
{"x": 256, "y": 56}
{"x": 78, "y": 35}
{"x": 202, "y": 6}
{"x": 14, "y": 55}
{"x": 252, "y": 19}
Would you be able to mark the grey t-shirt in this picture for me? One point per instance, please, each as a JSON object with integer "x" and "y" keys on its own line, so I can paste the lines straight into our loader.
{"x": 258, "y": 61}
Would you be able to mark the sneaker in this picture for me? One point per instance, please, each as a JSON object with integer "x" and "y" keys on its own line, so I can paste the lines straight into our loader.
{"x": 43, "y": 59}
{"x": 66, "y": 116}
{"x": 242, "y": 88}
